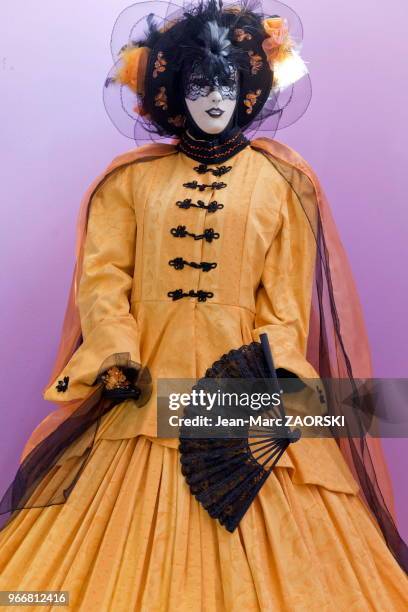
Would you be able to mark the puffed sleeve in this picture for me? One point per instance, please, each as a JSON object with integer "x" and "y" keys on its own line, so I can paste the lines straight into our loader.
{"x": 109, "y": 330}
{"x": 283, "y": 298}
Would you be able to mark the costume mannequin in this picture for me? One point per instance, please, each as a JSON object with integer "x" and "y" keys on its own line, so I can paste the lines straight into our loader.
{"x": 188, "y": 250}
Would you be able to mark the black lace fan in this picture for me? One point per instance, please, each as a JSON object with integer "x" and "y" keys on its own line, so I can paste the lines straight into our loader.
{"x": 225, "y": 474}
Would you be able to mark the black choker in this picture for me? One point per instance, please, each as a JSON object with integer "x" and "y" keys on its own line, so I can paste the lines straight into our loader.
{"x": 213, "y": 151}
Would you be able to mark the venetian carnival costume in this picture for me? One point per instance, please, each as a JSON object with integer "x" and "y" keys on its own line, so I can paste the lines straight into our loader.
{"x": 185, "y": 251}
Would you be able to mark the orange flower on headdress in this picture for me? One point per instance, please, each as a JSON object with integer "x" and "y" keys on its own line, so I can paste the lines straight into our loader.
{"x": 282, "y": 54}
{"x": 278, "y": 43}
{"x": 133, "y": 68}
{"x": 277, "y": 29}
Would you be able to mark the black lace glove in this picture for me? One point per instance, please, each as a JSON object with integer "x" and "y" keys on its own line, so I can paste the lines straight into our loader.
{"x": 294, "y": 383}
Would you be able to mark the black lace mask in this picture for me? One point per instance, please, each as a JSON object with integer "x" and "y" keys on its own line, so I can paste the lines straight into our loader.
{"x": 199, "y": 84}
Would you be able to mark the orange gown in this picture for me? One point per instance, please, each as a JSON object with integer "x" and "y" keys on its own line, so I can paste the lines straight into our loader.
{"x": 131, "y": 536}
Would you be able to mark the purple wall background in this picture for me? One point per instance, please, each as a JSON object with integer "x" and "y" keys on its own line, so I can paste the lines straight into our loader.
{"x": 55, "y": 138}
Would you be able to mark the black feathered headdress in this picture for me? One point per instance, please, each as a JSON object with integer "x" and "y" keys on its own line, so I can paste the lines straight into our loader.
{"x": 144, "y": 90}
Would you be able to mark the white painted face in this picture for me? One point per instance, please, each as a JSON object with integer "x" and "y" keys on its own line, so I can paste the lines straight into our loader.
{"x": 211, "y": 103}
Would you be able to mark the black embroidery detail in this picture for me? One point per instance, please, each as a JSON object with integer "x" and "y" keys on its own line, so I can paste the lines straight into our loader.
{"x": 211, "y": 207}
{"x": 218, "y": 171}
{"x": 202, "y": 186}
{"x": 209, "y": 235}
{"x": 187, "y": 203}
{"x": 181, "y": 232}
{"x": 178, "y": 263}
{"x": 202, "y": 296}
{"x": 62, "y": 385}
{"x": 177, "y": 294}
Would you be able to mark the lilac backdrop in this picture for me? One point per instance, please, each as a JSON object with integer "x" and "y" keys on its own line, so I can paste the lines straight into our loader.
{"x": 55, "y": 138}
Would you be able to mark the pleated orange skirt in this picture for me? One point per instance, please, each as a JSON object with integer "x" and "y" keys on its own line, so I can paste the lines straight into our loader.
{"x": 132, "y": 538}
